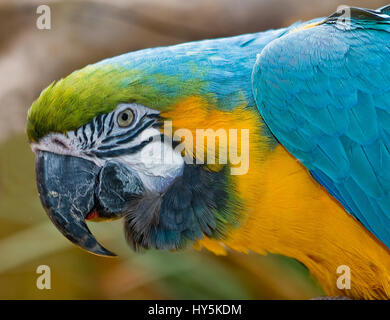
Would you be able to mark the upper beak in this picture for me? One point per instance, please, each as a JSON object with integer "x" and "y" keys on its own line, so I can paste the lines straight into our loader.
{"x": 66, "y": 188}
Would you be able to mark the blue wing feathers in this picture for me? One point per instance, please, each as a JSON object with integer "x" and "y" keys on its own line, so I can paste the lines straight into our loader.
{"x": 385, "y": 9}
{"x": 324, "y": 92}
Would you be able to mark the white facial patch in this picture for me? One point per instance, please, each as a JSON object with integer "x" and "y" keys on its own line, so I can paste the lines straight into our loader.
{"x": 156, "y": 162}
{"x": 65, "y": 144}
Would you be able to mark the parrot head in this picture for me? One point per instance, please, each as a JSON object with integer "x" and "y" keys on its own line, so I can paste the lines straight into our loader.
{"x": 107, "y": 145}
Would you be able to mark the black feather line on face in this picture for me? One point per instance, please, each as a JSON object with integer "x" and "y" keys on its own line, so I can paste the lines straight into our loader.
{"x": 107, "y": 150}
{"x": 186, "y": 211}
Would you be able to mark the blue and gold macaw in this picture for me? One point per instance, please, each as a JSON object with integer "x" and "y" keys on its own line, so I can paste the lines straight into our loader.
{"x": 311, "y": 105}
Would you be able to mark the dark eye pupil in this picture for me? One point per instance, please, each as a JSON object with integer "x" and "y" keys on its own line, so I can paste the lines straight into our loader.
{"x": 125, "y": 116}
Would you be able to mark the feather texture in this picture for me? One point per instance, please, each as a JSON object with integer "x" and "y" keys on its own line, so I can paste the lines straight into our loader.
{"x": 335, "y": 119}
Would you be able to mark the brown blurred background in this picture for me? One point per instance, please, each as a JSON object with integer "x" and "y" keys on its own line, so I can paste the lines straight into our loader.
{"x": 84, "y": 32}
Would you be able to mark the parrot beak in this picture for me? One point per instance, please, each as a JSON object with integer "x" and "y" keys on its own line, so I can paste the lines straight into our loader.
{"x": 66, "y": 186}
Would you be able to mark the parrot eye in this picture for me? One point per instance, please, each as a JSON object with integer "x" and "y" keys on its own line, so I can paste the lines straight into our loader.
{"x": 125, "y": 118}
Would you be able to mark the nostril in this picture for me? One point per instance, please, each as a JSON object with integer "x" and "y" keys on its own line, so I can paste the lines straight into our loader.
{"x": 60, "y": 143}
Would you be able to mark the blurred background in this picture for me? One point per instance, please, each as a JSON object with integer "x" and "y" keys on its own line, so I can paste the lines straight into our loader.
{"x": 84, "y": 32}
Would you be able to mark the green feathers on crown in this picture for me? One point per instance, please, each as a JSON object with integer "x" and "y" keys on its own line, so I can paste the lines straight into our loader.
{"x": 97, "y": 89}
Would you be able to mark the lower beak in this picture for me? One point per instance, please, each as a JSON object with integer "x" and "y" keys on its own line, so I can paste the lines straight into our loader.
{"x": 66, "y": 188}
